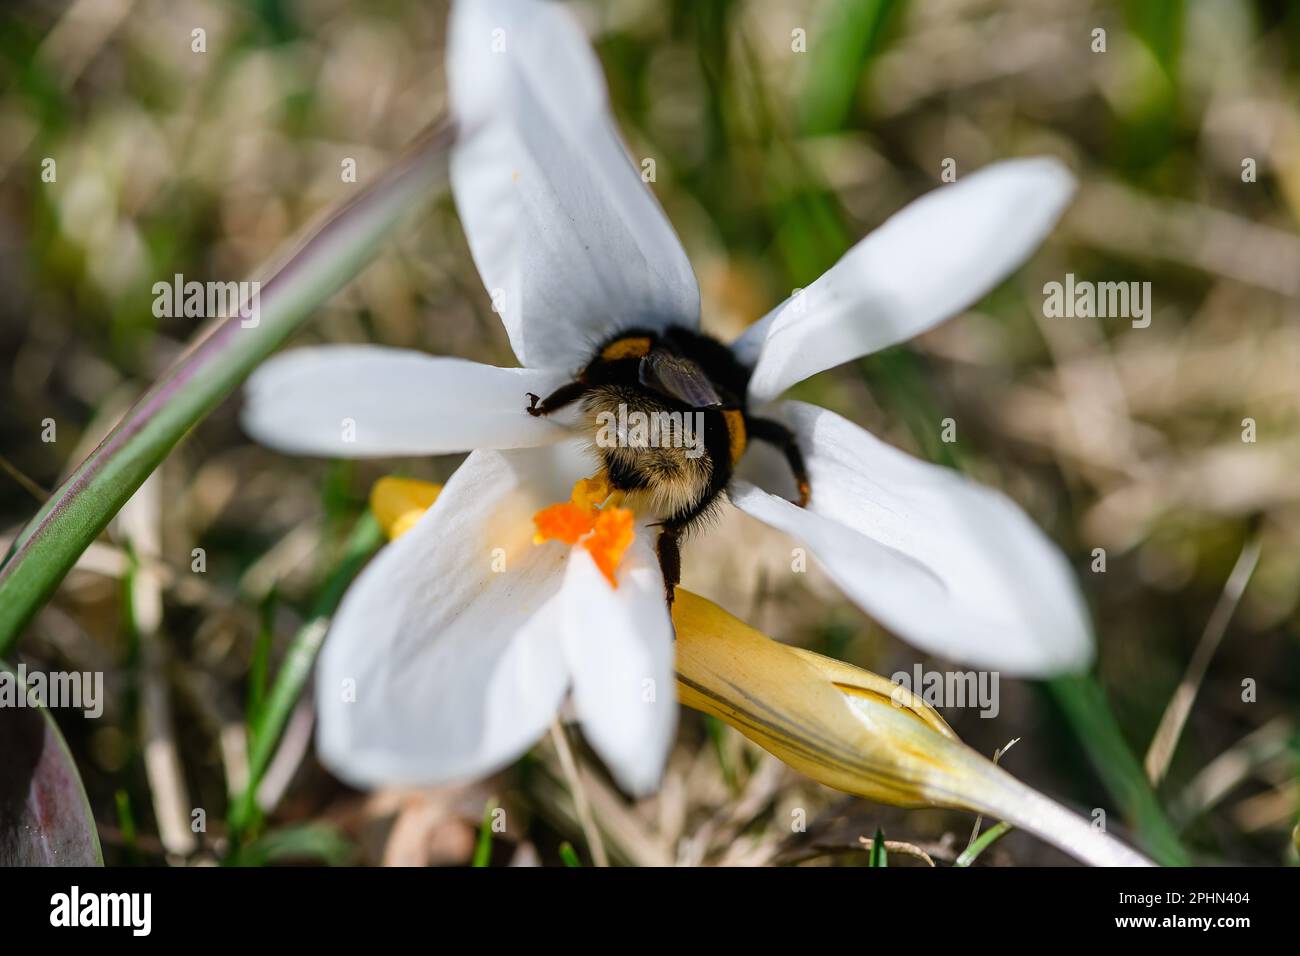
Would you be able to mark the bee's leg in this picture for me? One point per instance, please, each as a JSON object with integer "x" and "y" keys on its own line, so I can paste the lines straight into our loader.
{"x": 781, "y": 438}
{"x": 562, "y": 396}
{"x": 670, "y": 558}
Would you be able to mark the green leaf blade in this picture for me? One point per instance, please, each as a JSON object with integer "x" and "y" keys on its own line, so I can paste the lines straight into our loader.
{"x": 206, "y": 374}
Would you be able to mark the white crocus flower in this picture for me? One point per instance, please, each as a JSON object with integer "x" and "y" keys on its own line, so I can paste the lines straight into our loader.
{"x": 451, "y": 654}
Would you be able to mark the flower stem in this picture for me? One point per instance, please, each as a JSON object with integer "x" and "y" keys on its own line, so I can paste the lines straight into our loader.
{"x": 1022, "y": 806}
{"x": 1086, "y": 707}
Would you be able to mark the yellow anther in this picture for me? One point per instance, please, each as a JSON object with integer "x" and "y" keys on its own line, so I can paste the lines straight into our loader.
{"x": 591, "y": 492}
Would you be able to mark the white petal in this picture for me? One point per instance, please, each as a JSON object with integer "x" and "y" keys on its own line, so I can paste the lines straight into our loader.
{"x": 362, "y": 401}
{"x": 619, "y": 645}
{"x": 457, "y": 668}
{"x": 949, "y": 565}
{"x": 935, "y": 257}
{"x": 569, "y": 241}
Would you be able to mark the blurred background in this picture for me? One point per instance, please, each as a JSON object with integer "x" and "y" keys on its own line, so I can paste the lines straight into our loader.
{"x": 770, "y": 162}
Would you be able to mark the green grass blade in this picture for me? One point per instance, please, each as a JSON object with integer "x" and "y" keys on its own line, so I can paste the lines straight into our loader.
{"x": 838, "y": 54}
{"x": 879, "y": 856}
{"x": 569, "y": 855}
{"x": 293, "y": 673}
{"x": 259, "y": 670}
{"x": 311, "y": 842}
{"x": 982, "y": 843}
{"x": 483, "y": 848}
{"x": 208, "y": 371}
{"x": 126, "y": 825}
{"x": 718, "y": 738}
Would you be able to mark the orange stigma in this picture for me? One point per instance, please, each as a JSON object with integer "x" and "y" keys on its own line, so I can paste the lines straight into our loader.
{"x": 591, "y": 517}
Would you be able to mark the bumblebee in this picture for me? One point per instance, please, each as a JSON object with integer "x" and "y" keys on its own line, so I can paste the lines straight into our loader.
{"x": 684, "y": 393}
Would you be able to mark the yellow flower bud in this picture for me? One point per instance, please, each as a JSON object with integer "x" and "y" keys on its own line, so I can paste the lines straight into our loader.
{"x": 856, "y": 731}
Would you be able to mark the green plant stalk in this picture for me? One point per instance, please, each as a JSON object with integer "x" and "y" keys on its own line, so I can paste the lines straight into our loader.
{"x": 125, "y": 818}
{"x": 259, "y": 669}
{"x": 292, "y": 677}
{"x": 852, "y": 35}
{"x": 569, "y": 855}
{"x": 483, "y": 848}
{"x": 1085, "y": 706}
{"x": 879, "y": 856}
{"x": 718, "y": 738}
{"x": 982, "y": 843}
{"x": 309, "y": 841}
{"x": 211, "y": 368}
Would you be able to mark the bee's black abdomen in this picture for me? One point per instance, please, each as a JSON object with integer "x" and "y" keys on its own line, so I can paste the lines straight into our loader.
{"x": 624, "y": 477}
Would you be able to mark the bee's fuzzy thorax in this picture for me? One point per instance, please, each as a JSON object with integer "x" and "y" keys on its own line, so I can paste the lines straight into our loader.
{"x": 663, "y": 480}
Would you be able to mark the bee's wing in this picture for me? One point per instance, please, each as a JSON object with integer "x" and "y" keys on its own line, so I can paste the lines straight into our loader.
{"x": 679, "y": 378}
